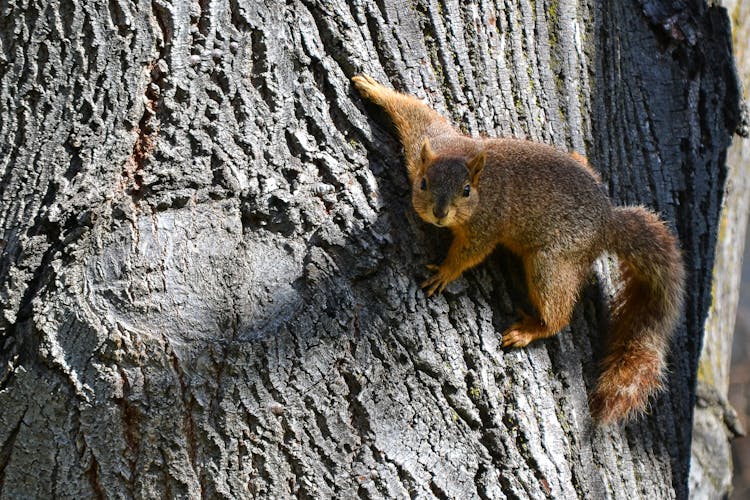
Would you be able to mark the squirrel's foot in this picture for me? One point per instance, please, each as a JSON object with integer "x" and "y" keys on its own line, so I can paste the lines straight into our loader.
{"x": 515, "y": 337}
{"x": 367, "y": 86}
{"x": 438, "y": 281}
{"x": 525, "y": 331}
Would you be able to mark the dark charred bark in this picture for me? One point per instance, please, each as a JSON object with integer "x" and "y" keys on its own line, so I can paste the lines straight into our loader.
{"x": 209, "y": 274}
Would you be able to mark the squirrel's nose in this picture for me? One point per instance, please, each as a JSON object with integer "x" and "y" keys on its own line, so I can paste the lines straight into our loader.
{"x": 439, "y": 213}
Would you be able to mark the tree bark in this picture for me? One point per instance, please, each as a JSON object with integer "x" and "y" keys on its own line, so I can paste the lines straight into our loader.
{"x": 716, "y": 422}
{"x": 209, "y": 279}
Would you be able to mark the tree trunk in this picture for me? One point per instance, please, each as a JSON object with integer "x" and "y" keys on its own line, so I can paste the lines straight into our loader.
{"x": 210, "y": 267}
{"x": 715, "y": 420}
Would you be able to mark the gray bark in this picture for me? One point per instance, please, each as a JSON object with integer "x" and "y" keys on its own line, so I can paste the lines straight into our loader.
{"x": 715, "y": 421}
{"x": 209, "y": 275}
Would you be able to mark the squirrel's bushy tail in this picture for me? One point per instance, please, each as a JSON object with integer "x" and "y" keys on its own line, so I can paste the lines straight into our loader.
{"x": 645, "y": 312}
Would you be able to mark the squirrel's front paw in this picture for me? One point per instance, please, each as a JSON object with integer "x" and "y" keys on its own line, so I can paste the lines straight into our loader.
{"x": 438, "y": 281}
{"x": 367, "y": 86}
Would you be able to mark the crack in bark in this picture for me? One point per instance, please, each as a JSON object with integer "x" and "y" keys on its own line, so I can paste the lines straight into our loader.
{"x": 299, "y": 480}
{"x": 148, "y": 127}
{"x": 260, "y": 69}
{"x": 376, "y": 26}
{"x": 23, "y": 327}
{"x": 359, "y": 418}
{"x": 6, "y": 448}
{"x": 437, "y": 53}
{"x": 92, "y": 473}
{"x": 131, "y": 427}
{"x": 188, "y": 423}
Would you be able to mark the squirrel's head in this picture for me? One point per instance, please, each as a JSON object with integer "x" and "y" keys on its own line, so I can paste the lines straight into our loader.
{"x": 445, "y": 188}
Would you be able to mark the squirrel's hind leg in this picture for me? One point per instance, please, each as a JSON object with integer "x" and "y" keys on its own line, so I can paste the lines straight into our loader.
{"x": 553, "y": 282}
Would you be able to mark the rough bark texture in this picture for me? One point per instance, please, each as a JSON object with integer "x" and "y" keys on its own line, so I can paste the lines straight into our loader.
{"x": 716, "y": 422}
{"x": 739, "y": 378}
{"x": 210, "y": 266}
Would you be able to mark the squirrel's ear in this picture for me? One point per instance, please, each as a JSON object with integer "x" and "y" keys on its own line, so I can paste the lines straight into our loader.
{"x": 426, "y": 154}
{"x": 475, "y": 166}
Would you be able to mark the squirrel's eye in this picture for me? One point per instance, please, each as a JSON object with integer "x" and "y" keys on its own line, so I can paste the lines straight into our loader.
{"x": 423, "y": 184}
{"x": 467, "y": 190}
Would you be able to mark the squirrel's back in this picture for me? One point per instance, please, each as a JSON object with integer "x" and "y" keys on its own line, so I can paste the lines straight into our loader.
{"x": 570, "y": 211}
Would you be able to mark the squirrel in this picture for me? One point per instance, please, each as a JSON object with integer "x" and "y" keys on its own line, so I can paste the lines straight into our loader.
{"x": 547, "y": 207}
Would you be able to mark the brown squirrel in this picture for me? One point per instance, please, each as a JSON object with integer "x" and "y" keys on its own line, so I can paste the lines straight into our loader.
{"x": 547, "y": 207}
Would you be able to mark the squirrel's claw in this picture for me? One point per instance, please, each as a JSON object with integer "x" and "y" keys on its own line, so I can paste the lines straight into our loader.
{"x": 437, "y": 282}
{"x": 366, "y": 85}
{"x": 514, "y": 337}
{"x": 370, "y": 89}
{"x": 363, "y": 78}
{"x": 432, "y": 284}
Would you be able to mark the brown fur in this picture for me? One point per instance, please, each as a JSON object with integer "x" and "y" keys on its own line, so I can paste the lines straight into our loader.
{"x": 644, "y": 313}
{"x": 585, "y": 164}
{"x": 546, "y": 206}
